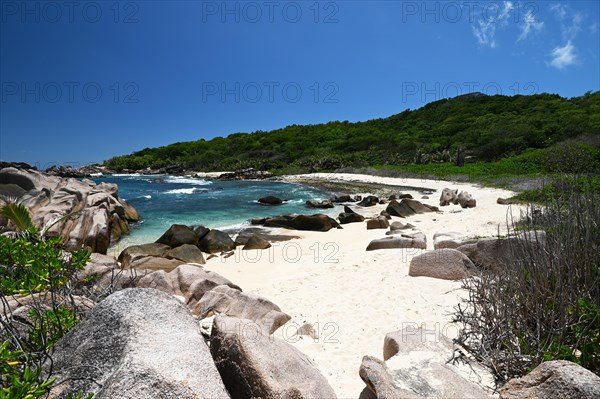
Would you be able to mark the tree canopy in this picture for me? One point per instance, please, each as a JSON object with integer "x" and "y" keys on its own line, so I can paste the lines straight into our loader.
{"x": 475, "y": 127}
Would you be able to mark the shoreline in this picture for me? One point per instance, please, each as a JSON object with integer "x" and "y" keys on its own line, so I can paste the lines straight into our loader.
{"x": 353, "y": 298}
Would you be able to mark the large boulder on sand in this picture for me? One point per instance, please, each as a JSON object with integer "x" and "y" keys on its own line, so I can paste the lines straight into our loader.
{"x": 369, "y": 200}
{"x": 216, "y": 241}
{"x": 189, "y": 282}
{"x": 445, "y": 264}
{"x": 349, "y": 216}
{"x": 317, "y": 222}
{"x": 449, "y": 239}
{"x": 254, "y": 365}
{"x": 135, "y": 252}
{"x": 466, "y": 200}
{"x": 492, "y": 253}
{"x": 186, "y": 253}
{"x": 380, "y": 222}
{"x": 448, "y": 197}
{"x": 178, "y": 234}
{"x": 137, "y": 343}
{"x": 353, "y": 217}
{"x": 417, "y": 240}
{"x": 558, "y": 379}
{"x": 232, "y": 302}
{"x": 418, "y": 358}
{"x": 408, "y": 207}
{"x": 396, "y": 226}
{"x": 256, "y": 242}
{"x": 246, "y": 233}
{"x": 380, "y": 381}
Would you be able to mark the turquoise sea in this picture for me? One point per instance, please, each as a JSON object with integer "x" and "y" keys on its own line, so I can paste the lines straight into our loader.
{"x": 165, "y": 200}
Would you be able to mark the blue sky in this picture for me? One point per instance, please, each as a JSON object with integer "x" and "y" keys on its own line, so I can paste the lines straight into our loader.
{"x": 84, "y": 81}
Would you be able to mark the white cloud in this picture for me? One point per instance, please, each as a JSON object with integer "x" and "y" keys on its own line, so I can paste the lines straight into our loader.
{"x": 563, "y": 56}
{"x": 530, "y": 24}
{"x": 570, "y": 26}
{"x": 485, "y": 31}
{"x": 570, "y": 31}
{"x": 559, "y": 10}
{"x": 594, "y": 27}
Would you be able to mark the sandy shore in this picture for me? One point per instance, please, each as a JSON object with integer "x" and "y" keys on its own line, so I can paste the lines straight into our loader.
{"x": 352, "y": 297}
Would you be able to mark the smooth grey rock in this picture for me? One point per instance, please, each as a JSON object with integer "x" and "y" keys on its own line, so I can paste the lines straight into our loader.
{"x": 186, "y": 253}
{"x": 369, "y": 200}
{"x": 416, "y": 240}
{"x": 216, "y": 241}
{"x": 379, "y": 380}
{"x": 177, "y": 235}
{"x": 450, "y": 240}
{"x": 253, "y": 364}
{"x": 400, "y": 226}
{"x": 417, "y": 359}
{"x": 155, "y": 263}
{"x": 445, "y": 264}
{"x": 324, "y": 204}
{"x": 448, "y": 197}
{"x": 380, "y": 222}
{"x": 98, "y": 217}
{"x": 317, "y": 222}
{"x": 232, "y": 302}
{"x": 135, "y": 252}
{"x": 190, "y": 282}
{"x": 466, "y": 200}
{"x": 558, "y": 379}
{"x": 256, "y": 242}
{"x": 137, "y": 343}
{"x": 352, "y": 217}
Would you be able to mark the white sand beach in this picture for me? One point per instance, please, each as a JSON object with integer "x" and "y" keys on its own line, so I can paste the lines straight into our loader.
{"x": 352, "y": 297}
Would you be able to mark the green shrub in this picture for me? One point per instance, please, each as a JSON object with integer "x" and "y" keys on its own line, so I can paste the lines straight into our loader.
{"x": 31, "y": 264}
{"x": 28, "y": 266}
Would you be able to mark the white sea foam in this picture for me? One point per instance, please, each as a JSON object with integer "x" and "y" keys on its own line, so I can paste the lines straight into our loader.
{"x": 126, "y": 175}
{"x": 187, "y": 180}
{"x": 182, "y": 191}
{"x": 147, "y": 196}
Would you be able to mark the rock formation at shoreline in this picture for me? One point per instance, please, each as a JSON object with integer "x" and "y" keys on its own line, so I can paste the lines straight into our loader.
{"x": 99, "y": 216}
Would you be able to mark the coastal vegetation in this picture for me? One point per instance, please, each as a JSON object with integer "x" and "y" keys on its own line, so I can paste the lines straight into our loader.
{"x": 35, "y": 269}
{"x": 541, "y": 304}
{"x": 474, "y": 135}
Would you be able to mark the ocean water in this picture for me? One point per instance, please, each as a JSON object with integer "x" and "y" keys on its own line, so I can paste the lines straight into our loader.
{"x": 165, "y": 200}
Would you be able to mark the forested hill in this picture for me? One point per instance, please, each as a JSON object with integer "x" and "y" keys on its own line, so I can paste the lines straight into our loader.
{"x": 473, "y": 127}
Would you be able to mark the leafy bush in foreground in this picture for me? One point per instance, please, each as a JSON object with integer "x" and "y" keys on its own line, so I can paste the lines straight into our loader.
{"x": 545, "y": 303}
{"x": 30, "y": 265}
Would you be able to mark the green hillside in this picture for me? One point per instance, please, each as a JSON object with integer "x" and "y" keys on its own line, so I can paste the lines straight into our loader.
{"x": 473, "y": 128}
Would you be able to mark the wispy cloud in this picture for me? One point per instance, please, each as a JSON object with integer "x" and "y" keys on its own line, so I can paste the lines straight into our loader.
{"x": 564, "y": 56}
{"x": 571, "y": 24}
{"x": 530, "y": 24}
{"x": 571, "y": 30}
{"x": 559, "y": 10}
{"x": 485, "y": 30}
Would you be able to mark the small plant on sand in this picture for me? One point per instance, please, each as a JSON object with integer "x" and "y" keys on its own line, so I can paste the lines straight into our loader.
{"x": 544, "y": 303}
